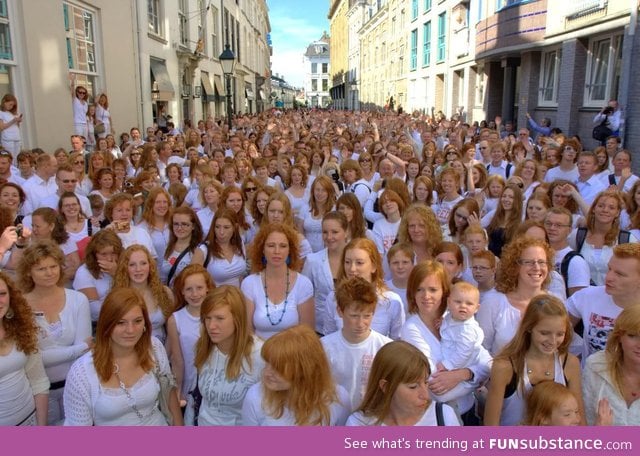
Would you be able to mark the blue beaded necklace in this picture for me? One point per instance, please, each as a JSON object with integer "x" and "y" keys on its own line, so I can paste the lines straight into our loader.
{"x": 266, "y": 300}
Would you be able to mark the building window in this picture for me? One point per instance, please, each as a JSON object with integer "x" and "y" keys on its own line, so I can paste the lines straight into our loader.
{"x": 480, "y": 82}
{"x": 215, "y": 32}
{"x": 81, "y": 45}
{"x": 504, "y": 3}
{"x": 314, "y": 85}
{"x": 6, "y": 51}
{"x": 202, "y": 33}
{"x": 427, "y": 5}
{"x": 603, "y": 70}
{"x": 414, "y": 10}
{"x": 182, "y": 22}
{"x": 314, "y": 68}
{"x": 549, "y": 77}
{"x": 153, "y": 12}
{"x": 442, "y": 36}
{"x": 413, "y": 64}
{"x": 325, "y": 68}
{"x": 325, "y": 85}
{"x": 426, "y": 47}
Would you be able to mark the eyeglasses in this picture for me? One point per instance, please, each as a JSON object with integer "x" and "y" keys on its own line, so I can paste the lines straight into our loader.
{"x": 182, "y": 225}
{"x": 483, "y": 147}
{"x": 480, "y": 268}
{"x": 532, "y": 263}
{"x": 250, "y": 189}
{"x": 365, "y": 160}
{"x": 78, "y": 162}
{"x": 556, "y": 225}
{"x": 136, "y": 154}
{"x": 82, "y": 92}
{"x": 69, "y": 181}
{"x": 5, "y": 153}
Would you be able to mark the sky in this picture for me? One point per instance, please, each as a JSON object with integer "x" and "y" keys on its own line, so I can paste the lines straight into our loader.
{"x": 294, "y": 25}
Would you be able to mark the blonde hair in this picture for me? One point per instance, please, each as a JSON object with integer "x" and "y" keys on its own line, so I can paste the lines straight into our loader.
{"x": 296, "y": 354}
{"x": 628, "y": 322}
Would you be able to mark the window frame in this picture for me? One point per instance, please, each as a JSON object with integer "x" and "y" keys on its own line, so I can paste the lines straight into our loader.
{"x": 413, "y": 61}
{"x": 612, "y": 69}
{"x": 154, "y": 17}
{"x": 87, "y": 42}
{"x": 553, "y": 55}
{"x": 441, "y": 55}
{"x": 183, "y": 25}
{"x": 426, "y": 44}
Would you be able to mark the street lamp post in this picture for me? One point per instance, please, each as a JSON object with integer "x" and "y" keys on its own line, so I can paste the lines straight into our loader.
{"x": 228, "y": 62}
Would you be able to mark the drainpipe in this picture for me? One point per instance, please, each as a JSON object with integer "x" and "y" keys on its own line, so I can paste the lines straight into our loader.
{"x": 627, "y": 50}
{"x": 138, "y": 65}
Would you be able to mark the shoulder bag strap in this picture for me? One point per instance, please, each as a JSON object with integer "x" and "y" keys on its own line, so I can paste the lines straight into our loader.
{"x": 172, "y": 271}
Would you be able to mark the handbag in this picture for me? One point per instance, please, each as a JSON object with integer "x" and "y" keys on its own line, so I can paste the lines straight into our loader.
{"x": 167, "y": 384}
{"x": 99, "y": 128}
{"x": 602, "y": 132}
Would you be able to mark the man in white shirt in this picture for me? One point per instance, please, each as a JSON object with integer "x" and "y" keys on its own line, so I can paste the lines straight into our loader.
{"x": 622, "y": 175}
{"x": 598, "y": 307}
{"x": 41, "y": 184}
{"x": 66, "y": 181}
{"x": 588, "y": 183}
{"x": 557, "y": 224}
{"x": 6, "y": 172}
{"x": 498, "y": 164}
{"x": 567, "y": 168}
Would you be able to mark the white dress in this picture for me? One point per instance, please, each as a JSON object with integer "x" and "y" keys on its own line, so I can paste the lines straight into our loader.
{"x": 159, "y": 239}
{"x": 312, "y": 228}
{"x": 188, "y": 328}
{"x": 87, "y": 402}
{"x": 281, "y": 316}
{"x": 317, "y": 270}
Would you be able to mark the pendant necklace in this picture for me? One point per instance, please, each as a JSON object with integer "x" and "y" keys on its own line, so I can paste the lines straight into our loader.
{"x": 266, "y": 300}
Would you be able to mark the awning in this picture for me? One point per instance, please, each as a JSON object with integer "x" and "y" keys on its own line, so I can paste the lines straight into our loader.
{"x": 249, "y": 94}
{"x": 209, "y": 94}
{"x": 217, "y": 82}
{"x": 161, "y": 76}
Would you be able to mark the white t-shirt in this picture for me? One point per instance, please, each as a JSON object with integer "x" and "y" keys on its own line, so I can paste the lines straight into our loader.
{"x": 351, "y": 363}
{"x": 84, "y": 279}
{"x": 428, "y": 419}
{"x": 139, "y": 236}
{"x": 253, "y": 413}
{"x": 281, "y": 316}
{"x": 556, "y": 173}
{"x": 384, "y": 234}
{"x": 12, "y": 132}
{"x": 578, "y": 274}
{"x": 598, "y": 313}
{"x": 222, "y": 398}
{"x": 317, "y": 270}
{"x": 225, "y": 272}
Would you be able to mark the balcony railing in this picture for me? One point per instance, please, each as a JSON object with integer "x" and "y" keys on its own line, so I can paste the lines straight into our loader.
{"x": 578, "y": 9}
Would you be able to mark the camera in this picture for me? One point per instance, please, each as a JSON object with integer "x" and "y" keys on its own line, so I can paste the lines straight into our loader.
{"x": 608, "y": 110}
{"x": 19, "y": 230}
{"x": 333, "y": 174}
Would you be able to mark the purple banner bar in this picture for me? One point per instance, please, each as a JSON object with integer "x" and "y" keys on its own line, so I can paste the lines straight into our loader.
{"x": 320, "y": 441}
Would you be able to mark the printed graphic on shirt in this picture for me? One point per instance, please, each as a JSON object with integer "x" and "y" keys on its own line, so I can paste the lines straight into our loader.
{"x": 598, "y": 332}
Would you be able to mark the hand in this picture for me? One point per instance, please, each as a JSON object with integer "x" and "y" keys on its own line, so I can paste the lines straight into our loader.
{"x": 108, "y": 266}
{"x": 566, "y": 190}
{"x": 473, "y": 219}
{"x": 8, "y": 238}
{"x": 528, "y": 115}
{"x": 605, "y": 413}
{"x": 498, "y": 120}
{"x": 440, "y": 367}
{"x": 90, "y": 342}
{"x": 626, "y": 173}
{"x": 444, "y": 381}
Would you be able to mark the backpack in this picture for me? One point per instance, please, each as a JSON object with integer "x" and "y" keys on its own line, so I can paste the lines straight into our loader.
{"x": 602, "y": 132}
{"x": 564, "y": 268}
{"x": 581, "y": 235}
{"x": 507, "y": 172}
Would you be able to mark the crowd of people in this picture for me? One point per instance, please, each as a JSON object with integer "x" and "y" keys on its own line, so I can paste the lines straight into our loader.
{"x": 317, "y": 267}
